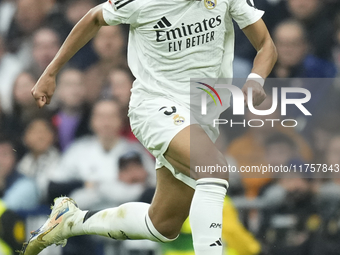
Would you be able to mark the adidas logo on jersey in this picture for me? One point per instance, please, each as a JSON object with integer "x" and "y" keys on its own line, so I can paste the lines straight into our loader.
{"x": 217, "y": 243}
{"x": 162, "y": 23}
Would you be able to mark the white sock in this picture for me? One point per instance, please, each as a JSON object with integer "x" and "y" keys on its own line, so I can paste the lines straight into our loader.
{"x": 128, "y": 221}
{"x": 206, "y": 215}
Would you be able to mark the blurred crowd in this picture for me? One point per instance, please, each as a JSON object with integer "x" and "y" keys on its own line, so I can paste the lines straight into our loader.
{"x": 82, "y": 146}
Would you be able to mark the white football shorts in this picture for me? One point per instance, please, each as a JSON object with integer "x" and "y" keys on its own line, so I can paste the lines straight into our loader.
{"x": 155, "y": 122}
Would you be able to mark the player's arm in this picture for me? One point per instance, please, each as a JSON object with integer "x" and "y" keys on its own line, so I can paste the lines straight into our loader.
{"x": 264, "y": 61}
{"x": 82, "y": 33}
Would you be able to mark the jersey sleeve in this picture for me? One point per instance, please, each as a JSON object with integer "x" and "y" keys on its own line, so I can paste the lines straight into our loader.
{"x": 121, "y": 11}
{"x": 244, "y": 12}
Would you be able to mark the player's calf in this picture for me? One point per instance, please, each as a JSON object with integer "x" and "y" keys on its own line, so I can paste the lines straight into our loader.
{"x": 171, "y": 204}
{"x": 170, "y": 227}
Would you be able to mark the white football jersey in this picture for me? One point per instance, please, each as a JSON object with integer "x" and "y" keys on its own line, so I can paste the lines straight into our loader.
{"x": 172, "y": 41}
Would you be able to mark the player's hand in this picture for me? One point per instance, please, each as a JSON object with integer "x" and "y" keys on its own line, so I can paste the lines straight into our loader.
{"x": 44, "y": 89}
{"x": 258, "y": 92}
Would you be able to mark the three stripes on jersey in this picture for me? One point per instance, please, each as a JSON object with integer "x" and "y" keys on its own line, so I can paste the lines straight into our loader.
{"x": 120, "y": 3}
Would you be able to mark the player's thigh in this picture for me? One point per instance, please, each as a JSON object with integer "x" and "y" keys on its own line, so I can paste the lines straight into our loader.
{"x": 171, "y": 203}
{"x": 192, "y": 152}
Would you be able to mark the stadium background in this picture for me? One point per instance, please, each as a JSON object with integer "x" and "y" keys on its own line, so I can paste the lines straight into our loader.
{"x": 91, "y": 155}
